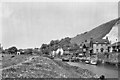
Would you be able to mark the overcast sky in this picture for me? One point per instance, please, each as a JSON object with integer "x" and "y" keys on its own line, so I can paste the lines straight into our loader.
{"x": 29, "y": 24}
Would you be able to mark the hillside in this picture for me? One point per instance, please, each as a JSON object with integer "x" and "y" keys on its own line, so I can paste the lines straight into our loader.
{"x": 96, "y": 33}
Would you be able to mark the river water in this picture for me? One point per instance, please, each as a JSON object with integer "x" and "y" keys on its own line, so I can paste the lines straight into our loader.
{"x": 109, "y": 71}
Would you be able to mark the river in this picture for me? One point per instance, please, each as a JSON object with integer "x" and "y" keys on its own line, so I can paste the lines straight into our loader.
{"x": 109, "y": 71}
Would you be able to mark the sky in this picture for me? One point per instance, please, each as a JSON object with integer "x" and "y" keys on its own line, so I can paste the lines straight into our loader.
{"x": 30, "y": 24}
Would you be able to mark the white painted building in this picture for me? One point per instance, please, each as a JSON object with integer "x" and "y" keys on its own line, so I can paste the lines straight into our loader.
{"x": 59, "y": 51}
{"x": 100, "y": 45}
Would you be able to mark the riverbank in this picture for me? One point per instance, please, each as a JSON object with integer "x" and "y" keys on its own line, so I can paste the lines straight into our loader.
{"x": 107, "y": 70}
{"x": 43, "y": 67}
{"x": 81, "y": 72}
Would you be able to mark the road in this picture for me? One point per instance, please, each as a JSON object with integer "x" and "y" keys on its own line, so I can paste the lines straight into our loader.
{"x": 107, "y": 70}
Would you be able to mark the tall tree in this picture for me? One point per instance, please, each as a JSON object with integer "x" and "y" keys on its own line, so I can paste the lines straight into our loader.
{"x": 12, "y": 50}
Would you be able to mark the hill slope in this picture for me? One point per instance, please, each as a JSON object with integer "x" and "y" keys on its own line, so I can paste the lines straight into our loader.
{"x": 96, "y": 33}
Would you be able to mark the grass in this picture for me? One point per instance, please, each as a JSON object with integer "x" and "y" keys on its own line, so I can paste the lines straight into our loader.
{"x": 112, "y": 58}
{"x": 27, "y": 63}
{"x": 11, "y": 70}
{"x": 76, "y": 70}
{"x": 42, "y": 67}
{"x": 9, "y": 60}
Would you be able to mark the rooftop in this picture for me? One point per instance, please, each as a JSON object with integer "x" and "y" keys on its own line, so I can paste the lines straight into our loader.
{"x": 100, "y": 41}
{"x": 114, "y": 44}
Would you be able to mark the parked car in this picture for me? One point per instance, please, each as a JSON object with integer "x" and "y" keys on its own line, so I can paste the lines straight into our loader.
{"x": 66, "y": 58}
{"x": 74, "y": 59}
{"x": 83, "y": 59}
{"x": 80, "y": 58}
{"x": 87, "y": 61}
{"x": 93, "y": 62}
{"x": 77, "y": 59}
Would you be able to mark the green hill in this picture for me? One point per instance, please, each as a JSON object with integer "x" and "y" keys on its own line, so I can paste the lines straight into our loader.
{"x": 96, "y": 33}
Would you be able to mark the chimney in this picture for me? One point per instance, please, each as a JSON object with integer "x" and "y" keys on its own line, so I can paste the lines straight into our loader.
{"x": 107, "y": 38}
{"x": 91, "y": 42}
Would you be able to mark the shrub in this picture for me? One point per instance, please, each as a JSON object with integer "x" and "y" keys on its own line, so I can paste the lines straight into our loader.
{"x": 12, "y": 56}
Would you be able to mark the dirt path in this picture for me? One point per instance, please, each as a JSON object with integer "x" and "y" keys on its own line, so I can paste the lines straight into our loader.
{"x": 28, "y": 59}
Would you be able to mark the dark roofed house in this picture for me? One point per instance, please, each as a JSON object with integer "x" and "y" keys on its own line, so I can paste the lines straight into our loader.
{"x": 85, "y": 47}
{"x": 95, "y": 46}
{"x": 100, "y": 41}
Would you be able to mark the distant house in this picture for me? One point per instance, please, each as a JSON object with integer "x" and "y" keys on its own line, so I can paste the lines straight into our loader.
{"x": 59, "y": 51}
{"x": 96, "y": 46}
{"x": 1, "y": 48}
{"x": 115, "y": 47}
{"x": 100, "y": 45}
{"x": 84, "y": 47}
{"x": 18, "y": 52}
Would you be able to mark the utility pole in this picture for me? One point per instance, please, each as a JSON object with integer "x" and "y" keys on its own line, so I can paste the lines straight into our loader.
{"x": 1, "y": 48}
{"x": 116, "y": 46}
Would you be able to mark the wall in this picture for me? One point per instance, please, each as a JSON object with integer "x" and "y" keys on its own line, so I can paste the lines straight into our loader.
{"x": 99, "y": 46}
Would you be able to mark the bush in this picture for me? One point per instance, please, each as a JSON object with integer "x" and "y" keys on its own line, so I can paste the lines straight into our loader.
{"x": 12, "y": 50}
{"x": 11, "y": 70}
{"x": 12, "y": 56}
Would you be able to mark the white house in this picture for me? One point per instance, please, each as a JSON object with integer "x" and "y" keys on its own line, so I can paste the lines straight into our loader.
{"x": 59, "y": 51}
{"x": 100, "y": 45}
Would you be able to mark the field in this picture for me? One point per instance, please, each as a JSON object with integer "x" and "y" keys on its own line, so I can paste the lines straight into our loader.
{"x": 9, "y": 60}
{"x": 43, "y": 67}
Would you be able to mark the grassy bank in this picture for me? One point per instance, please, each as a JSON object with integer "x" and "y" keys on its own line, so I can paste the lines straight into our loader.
{"x": 73, "y": 70}
{"x": 43, "y": 67}
{"x": 11, "y": 59}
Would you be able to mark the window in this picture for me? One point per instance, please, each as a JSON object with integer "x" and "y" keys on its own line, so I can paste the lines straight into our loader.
{"x": 101, "y": 44}
{"x": 85, "y": 40}
{"x": 94, "y": 45}
{"x": 96, "y": 50}
{"x": 97, "y": 44}
{"x": 96, "y": 41}
{"x": 102, "y": 49}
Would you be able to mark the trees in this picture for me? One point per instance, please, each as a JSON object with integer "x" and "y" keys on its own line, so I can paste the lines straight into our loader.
{"x": 37, "y": 51}
{"x": 45, "y": 49}
{"x": 12, "y": 50}
{"x": 54, "y": 44}
{"x": 28, "y": 51}
{"x": 44, "y": 46}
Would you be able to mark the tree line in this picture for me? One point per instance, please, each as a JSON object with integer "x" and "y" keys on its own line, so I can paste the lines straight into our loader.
{"x": 64, "y": 43}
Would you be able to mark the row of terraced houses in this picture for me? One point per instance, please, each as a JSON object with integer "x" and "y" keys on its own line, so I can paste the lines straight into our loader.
{"x": 100, "y": 46}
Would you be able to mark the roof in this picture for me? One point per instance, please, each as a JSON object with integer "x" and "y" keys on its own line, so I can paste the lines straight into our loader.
{"x": 100, "y": 41}
{"x": 85, "y": 44}
{"x": 114, "y": 44}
